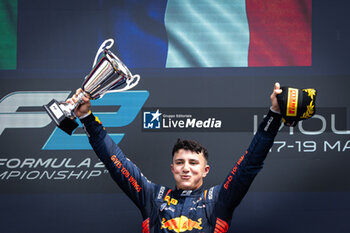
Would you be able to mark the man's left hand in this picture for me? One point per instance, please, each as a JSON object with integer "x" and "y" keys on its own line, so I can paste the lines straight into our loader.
{"x": 276, "y": 91}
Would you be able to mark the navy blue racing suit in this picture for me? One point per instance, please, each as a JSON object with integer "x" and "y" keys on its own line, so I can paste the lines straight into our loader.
{"x": 166, "y": 210}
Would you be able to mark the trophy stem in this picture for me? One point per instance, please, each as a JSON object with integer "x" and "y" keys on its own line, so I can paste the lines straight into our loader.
{"x": 79, "y": 102}
{"x": 80, "y": 99}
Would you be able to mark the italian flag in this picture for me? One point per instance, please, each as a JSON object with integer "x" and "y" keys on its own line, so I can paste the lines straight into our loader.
{"x": 238, "y": 33}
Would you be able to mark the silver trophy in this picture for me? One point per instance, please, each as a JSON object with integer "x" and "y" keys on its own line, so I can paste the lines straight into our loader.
{"x": 108, "y": 74}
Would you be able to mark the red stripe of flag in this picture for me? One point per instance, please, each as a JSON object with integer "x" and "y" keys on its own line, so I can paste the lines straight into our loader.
{"x": 280, "y": 32}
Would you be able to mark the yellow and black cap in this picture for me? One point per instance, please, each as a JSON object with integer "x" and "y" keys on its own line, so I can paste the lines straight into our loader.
{"x": 296, "y": 104}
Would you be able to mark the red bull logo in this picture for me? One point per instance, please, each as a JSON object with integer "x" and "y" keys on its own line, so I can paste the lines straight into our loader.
{"x": 181, "y": 224}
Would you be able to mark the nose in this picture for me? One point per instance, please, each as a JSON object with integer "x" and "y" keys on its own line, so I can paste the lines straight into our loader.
{"x": 186, "y": 167}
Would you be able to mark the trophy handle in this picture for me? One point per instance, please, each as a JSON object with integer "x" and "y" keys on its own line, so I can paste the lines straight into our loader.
{"x": 130, "y": 80}
{"x": 103, "y": 46}
{"x": 130, "y": 83}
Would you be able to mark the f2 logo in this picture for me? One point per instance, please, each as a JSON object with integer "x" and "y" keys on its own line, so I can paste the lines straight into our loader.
{"x": 10, "y": 118}
{"x": 130, "y": 103}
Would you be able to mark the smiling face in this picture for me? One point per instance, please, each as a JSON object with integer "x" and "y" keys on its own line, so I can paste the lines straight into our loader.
{"x": 189, "y": 168}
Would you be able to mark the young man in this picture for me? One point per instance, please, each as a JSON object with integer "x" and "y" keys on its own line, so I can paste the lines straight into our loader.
{"x": 188, "y": 207}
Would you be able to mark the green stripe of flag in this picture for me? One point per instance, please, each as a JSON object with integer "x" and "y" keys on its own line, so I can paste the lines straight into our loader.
{"x": 8, "y": 34}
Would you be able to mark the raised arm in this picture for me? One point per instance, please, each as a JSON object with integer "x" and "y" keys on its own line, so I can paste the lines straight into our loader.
{"x": 241, "y": 176}
{"x": 125, "y": 173}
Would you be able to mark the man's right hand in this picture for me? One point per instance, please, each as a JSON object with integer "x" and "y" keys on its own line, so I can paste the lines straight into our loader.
{"x": 82, "y": 109}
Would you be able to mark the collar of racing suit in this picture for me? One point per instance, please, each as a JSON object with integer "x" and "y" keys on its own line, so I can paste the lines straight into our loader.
{"x": 187, "y": 193}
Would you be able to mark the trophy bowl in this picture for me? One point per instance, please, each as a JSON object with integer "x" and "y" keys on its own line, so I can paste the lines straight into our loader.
{"x": 108, "y": 74}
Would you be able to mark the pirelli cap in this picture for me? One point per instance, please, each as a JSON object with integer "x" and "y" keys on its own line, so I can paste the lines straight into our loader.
{"x": 296, "y": 104}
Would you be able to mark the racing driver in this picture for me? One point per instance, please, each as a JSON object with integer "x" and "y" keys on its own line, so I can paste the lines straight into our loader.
{"x": 187, "y": 207}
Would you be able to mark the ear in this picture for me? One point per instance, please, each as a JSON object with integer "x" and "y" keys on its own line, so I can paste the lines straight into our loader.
{"x": 206, "y": 170}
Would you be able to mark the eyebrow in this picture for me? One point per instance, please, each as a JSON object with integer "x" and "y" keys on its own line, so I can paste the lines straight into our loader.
{"x": 191, "y": 160}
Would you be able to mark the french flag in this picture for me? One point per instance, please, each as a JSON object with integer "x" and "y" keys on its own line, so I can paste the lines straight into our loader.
{"x": 223, "y": 33}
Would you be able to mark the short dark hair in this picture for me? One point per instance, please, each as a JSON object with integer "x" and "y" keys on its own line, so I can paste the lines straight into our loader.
{"x": 190, "y": 145}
